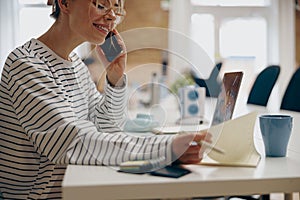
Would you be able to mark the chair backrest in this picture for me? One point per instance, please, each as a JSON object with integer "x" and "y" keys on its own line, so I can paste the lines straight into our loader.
{"x": 212, "y": 85}
{"x": 263, "y": 85}
{"x": 291, "y": 97}
{"x": 215, "y": 72}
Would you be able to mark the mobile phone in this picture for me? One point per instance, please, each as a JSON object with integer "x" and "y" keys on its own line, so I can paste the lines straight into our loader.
{"x": 171, "y": 171}
{"x": 111, "y": 47}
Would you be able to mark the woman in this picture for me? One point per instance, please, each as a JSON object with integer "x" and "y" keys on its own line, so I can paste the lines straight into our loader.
{"x": 52, "y": 115}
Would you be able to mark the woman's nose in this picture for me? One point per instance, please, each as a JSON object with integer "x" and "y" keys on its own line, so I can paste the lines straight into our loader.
{"x": 110, "y": 15}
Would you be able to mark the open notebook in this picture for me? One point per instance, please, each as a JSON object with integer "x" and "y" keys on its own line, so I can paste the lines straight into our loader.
{"x": 224, "y": 108}
{"x": 235, "y": 137}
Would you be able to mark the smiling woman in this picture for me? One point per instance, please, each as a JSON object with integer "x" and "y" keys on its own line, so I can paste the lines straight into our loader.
{"x": 59, "y": 106}
{"x": 51, "y": 114}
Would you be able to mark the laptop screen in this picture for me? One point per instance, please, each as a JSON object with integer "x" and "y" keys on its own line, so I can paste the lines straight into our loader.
{"x": 227, "y": 97}
{"x": 224, "y": 108}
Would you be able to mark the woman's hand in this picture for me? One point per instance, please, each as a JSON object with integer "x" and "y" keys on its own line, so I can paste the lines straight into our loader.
{"x": 115, "y": 69}
{"x": 186, "y": 153}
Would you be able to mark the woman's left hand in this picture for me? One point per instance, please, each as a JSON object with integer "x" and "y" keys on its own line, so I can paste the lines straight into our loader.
{"x": 115, "y": 69}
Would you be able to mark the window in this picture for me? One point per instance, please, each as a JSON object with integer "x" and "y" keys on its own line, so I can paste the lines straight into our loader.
{"x": 244, "y": 38}
{"x": 203, "y": 33}
{"x": 228, "y": 34}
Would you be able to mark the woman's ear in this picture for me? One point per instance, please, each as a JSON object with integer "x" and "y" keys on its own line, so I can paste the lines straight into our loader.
{"x": 64, "y": 5}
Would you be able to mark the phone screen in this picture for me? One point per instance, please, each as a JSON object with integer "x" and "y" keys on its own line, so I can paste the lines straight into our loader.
{"x": 111, "y": 47}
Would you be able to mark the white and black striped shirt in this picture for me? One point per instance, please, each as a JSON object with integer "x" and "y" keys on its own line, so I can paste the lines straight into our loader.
{"x": 52, "y": 115}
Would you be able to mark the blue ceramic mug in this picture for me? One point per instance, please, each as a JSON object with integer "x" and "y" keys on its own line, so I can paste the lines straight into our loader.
{"x": 276, "y": 131}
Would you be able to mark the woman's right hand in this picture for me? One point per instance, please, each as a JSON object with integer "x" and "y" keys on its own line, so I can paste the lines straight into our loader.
{"x": 116, "y": 68}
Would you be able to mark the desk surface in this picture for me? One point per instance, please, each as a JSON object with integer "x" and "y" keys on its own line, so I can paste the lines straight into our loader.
{"x": 270, "y": 176}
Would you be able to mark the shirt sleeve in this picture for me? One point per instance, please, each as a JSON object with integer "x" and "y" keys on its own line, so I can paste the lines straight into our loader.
{"x": 108, "y": 110}
{"x": 46, "y": 115}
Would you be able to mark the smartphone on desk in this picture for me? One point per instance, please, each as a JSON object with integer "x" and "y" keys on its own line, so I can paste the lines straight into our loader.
{"x": 111, "y": 48}
{"x": 173, "y": 171}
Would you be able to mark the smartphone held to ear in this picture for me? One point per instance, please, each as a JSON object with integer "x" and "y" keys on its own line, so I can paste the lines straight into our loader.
{"x": 111, "y": 48}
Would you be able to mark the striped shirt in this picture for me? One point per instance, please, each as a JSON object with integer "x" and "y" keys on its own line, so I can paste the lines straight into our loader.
{"x": 52, "y": 115}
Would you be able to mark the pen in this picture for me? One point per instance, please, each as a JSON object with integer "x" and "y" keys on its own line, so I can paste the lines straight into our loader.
{"x": 208, "y": 145}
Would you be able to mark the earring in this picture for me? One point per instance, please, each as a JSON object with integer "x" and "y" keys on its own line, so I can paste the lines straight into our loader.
{"x": 54, "y": 6}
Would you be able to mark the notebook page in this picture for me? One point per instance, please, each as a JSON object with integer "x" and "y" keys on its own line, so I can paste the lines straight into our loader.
{"x": 235, "y": 137}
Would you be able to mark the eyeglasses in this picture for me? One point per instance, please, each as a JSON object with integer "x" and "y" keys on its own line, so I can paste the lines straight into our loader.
{"x": 118, "y": 11}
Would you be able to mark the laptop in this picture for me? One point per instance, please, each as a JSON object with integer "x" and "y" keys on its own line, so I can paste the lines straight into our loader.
{"x": 225, "y": 105}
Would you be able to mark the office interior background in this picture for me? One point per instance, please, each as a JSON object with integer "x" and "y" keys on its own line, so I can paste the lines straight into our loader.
{"x": 245, "y": 35}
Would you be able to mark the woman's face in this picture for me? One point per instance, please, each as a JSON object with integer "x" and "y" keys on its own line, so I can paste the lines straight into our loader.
{"x": 88, "y": 21}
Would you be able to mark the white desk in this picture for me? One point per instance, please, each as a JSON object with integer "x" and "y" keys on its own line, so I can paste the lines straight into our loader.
{"x": 272, "y": 175}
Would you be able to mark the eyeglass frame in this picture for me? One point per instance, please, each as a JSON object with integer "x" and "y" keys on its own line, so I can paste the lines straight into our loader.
{"x": 107, "y": 10}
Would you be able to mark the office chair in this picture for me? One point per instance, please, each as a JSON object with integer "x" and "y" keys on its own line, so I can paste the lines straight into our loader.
{"x": 263, "y": 85}
{"x": 291, "y": 98}
{"x": 212, "y": 84}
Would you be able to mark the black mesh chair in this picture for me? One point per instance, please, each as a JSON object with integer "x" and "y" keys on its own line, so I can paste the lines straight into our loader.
{"x": 291, "y": 98}
{"x": 212, "y": 84}
{"x": 263, "y": 85}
